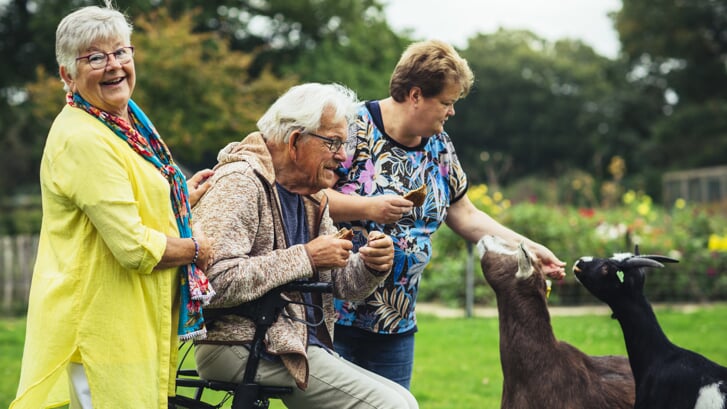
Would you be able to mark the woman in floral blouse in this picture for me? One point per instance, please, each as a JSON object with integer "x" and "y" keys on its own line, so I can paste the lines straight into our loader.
{"x": 396, "y": 145}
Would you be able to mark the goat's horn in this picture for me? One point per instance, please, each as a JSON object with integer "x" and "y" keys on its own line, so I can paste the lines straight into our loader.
{"x": 640, "y": 261}
{"x": 661, "y": 259}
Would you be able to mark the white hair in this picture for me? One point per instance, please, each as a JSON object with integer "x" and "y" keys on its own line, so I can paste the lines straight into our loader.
{"x": 302, "y": 106}
{"x": 78, "y": 30}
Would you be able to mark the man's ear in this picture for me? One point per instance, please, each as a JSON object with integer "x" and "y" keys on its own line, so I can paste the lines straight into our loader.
{"x": 292, "y": 142}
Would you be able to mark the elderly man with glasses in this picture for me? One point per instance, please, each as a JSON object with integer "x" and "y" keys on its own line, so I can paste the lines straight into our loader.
{"x": 268, "y": 218}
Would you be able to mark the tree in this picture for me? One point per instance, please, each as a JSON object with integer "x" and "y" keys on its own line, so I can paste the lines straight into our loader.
{"x": 677, "y": 45}
{"x": 355, "y": 60}
{"x": 536, "y": 108}
{"x": 301, "y": 40}
{"x": 677, "y": 53}
{"x": 195, "y": 90}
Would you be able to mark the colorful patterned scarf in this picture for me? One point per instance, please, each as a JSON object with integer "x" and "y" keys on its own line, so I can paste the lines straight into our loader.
{"x": 144, "y": 140}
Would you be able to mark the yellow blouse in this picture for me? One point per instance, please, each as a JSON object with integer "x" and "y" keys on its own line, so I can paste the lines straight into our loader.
{"x": 95, "y": 296}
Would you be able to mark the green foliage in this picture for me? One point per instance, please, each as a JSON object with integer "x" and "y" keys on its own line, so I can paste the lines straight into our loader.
{"x": 205, "y": 70}
{"x": 676, "y": 54}
{"x": 330, "y": 62}
{"x": 214, "y": 99}
{"x": 677, "y": 45}
{"x": 472, "y": 377}
{"x": 353, "y": 60}
{"x": 537, "y": 107}
{"x": 683, "y": 233}
{"x": 705, "y": 122}
{"x": 196, "y": 91}
{"x": 21, "y": 214}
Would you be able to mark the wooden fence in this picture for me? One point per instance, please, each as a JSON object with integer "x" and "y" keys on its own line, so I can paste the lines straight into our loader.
{"x": 17, "y": 258}
{"x": 704, "y": 185}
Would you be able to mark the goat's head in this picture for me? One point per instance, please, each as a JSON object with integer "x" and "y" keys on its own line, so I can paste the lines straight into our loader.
{"x": 505, "y": 265}
{"x": 620, "y": 276}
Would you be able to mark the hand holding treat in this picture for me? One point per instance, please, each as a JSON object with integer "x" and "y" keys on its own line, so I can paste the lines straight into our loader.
{"x": 330, "y": 250}
{"x": 417, "y": 196}
{"x": 378, "y": 253}
{"x": 344, "y": 233}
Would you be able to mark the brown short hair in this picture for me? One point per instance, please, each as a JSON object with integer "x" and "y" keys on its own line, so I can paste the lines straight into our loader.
{"x": 430, "y": 65}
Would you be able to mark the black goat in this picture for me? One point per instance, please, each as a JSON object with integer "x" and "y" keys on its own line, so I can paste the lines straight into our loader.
{"x": 539, "y": 371}
{"x": 666, "y": 375}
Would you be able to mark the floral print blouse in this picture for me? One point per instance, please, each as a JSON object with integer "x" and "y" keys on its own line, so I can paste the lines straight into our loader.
{"x": 376, "y": 165}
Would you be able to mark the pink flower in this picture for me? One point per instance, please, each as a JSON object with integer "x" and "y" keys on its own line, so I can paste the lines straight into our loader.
{"x": 366, "y": 177}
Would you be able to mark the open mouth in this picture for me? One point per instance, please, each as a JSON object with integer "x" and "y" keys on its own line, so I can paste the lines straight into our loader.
{"x": 113, "y": 82}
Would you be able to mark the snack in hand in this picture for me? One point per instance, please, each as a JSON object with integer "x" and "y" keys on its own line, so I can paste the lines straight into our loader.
{"x": 344, "y": 233}
{"x": 375, "y": 235}
{"x": 417, "y": 196}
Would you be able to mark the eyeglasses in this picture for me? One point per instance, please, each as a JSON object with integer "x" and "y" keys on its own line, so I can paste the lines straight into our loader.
{"x": 333, "y": 144}
{"x": 100, "y": 59}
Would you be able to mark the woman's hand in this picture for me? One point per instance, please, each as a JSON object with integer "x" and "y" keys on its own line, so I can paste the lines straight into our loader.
{"x": 198, "y": 184}
{"x": 180, "y": 251}
{"x": 205, "y": 254}
{"x": 387, "y": 209}
{"x": 378, "y": 253}
{"x": 552, "y": 266}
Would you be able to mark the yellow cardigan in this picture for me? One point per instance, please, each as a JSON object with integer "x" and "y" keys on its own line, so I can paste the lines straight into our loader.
{"x": 95, "y": 297}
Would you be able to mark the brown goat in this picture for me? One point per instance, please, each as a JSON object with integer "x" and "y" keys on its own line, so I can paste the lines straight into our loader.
{"x": 539, "y": 371}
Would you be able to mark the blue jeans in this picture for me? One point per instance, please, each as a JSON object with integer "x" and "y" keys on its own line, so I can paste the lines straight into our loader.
{"x": 391, "y": 356}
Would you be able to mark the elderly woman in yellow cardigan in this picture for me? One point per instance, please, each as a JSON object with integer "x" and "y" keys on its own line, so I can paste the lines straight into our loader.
{"x": 116, "y": 239}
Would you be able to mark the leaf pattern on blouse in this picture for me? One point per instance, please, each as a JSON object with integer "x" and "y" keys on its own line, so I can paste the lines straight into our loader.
{"x": 391, "y": 307}
{"x": 377, "y": 165}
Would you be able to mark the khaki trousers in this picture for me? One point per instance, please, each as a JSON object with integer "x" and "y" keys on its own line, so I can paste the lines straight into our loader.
{"x": 334, "y": 383}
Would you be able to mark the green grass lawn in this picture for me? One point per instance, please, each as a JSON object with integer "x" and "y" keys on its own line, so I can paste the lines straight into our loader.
{"x": 457, "y": 359}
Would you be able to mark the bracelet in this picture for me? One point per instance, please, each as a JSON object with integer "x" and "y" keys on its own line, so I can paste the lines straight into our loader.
{"x": 196, "y": 250}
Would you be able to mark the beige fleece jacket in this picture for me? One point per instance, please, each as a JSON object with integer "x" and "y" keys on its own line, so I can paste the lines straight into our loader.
{"x": 241, "y": 213}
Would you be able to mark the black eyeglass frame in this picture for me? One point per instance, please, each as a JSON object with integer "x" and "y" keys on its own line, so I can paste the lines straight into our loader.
{"x": 333, "y": 144}
{"x": 106, "y": 56}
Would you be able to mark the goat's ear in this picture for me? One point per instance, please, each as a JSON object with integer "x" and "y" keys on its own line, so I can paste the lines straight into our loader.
{"x": 482, "y": 246}
{"x": 524, "y": 263}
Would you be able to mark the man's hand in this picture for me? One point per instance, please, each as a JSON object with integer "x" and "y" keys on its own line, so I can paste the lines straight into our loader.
{"x": 328, "y": 251}
{"x": 378, "y": 253}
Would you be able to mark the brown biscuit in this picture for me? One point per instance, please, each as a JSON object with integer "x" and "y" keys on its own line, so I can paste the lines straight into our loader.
{"x": 344, "y": 234}
{"x": 417, "y": 196}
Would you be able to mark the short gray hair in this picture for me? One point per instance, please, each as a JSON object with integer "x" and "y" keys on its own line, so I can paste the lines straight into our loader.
{"x": 78, "y": 30}
{"x": 301, "y": 108}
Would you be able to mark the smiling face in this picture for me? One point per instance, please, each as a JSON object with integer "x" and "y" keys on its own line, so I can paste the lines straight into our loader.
{"x": 315, "y": 162}
{"x": 108, "y": 88}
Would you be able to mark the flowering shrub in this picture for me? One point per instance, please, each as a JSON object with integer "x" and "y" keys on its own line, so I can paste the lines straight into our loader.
{"x": 717, "y": 243}
{"x": 691, "y": 234}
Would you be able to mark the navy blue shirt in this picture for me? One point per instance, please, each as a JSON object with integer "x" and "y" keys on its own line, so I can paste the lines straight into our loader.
{"x": 296, "y": 232}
